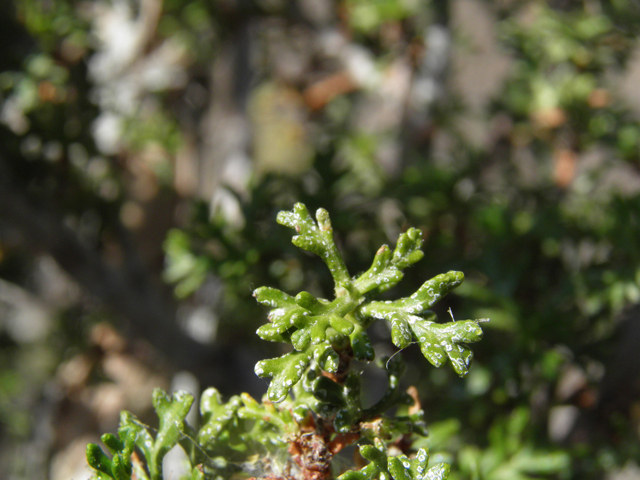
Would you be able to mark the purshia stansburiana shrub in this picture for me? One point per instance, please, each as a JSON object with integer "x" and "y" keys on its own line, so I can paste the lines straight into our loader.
{"x": 312, "y": 409}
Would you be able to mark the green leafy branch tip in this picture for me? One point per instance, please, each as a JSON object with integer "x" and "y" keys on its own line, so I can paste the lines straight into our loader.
{"x": 324, "y": 412}
{"x": 171, "y": 411}
{"x": 229, "y": 431}
{"x": 118, "y": 467}
{"x": 386, "y": 269}
{"x": 316, "y": 238}
{"x": 411, "y": 320}
{"x": 323, "y": 332}
{"x": 399, "y": 467}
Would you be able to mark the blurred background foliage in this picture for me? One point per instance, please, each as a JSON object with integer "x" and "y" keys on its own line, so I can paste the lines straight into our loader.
{"x": 147, "y": 145}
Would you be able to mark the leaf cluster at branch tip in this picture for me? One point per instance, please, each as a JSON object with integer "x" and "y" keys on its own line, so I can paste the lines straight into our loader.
{"x": 312, "y": 408}
{"x": 321, "y": 330}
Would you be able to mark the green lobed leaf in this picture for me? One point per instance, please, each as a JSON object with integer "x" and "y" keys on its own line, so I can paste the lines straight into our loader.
{"x": 400, "y": 467}
{"x": 305, "y": 400}
{"x": 326, "y": 357}
{"x": 429, "y": 293}
{"x": 273, "y": 333}
{"x": 144, "y": 440}
{"x": 401, "y": 334}
{"x": 437, "y": 341}
{"x": 407, "y": 250}
{"x": 341, "y": 325}
{"x": 316, "y": 329}
{"x": 361, "y": 344}
{"x": 311, "y": 303}
{"x": 283, "y": 316}
{"x": 99, "y": 461}
{"x": 286, "y": 372}
{"x": 118, "y": 467}
{"x": 417, "y": 304}
{"x": 441, "y": 341}
{"x": 377, "y": 455}
{"x": 381, "y": 275}
{"x": 386, "y": 269}
{"x": 302, "y": 320}
{"x": 216, "y": 415}
{"x": 121, "y": 467}
{"x": 273, "y": 297}
{"x": 419, "y": 464}
{"x": 172, "y": 411}
{"x": 112, "y": 442}
{"x": 316, "y": 238}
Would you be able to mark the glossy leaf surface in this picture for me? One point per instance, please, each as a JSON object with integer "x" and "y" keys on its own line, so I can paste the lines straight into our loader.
{"x": 399, "y": 467}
